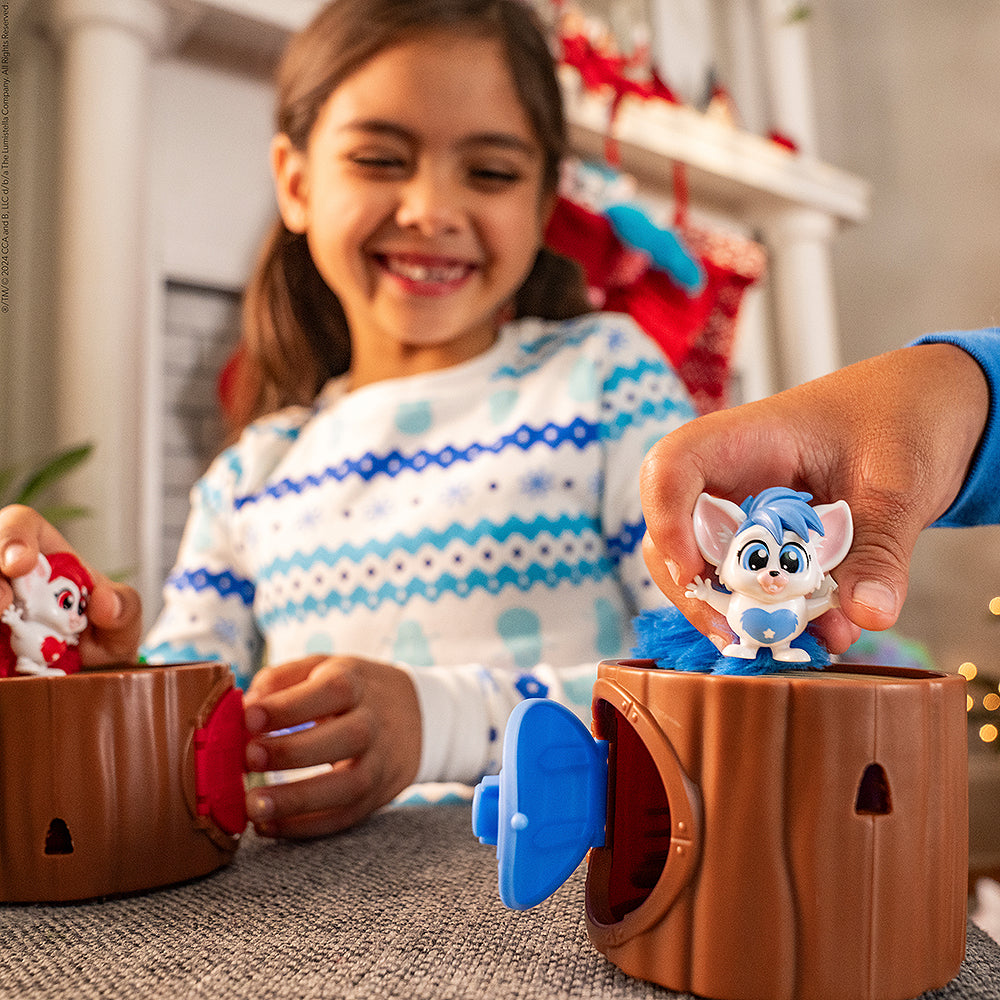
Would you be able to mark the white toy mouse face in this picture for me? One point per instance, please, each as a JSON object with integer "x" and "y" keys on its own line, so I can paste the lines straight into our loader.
{"x": 68, "y": 607}
{"x": 52, "y": 600}
{"x": 771, "y": 555}
{"x": 777, "y": 549}
{"x": 758, "y": 565}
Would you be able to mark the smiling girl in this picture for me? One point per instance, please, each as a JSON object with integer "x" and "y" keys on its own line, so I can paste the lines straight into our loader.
{"x": 432, "y": 510}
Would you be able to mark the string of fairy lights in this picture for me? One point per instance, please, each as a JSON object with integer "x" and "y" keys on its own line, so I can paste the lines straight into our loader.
{"x": 983, "y": 699}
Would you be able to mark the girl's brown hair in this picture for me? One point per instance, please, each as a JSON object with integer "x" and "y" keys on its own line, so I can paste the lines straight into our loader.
{"x": 295, "y": 334}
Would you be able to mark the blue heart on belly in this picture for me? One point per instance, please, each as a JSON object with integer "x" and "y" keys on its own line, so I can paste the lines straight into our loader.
{"x": 769, "y": 626}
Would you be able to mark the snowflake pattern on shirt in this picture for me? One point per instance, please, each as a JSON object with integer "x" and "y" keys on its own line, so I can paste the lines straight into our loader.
{"x": 479, "y": 526}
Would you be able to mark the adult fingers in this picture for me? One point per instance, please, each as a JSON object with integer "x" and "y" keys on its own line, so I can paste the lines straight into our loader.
{"x": 729, "y": 454}
{"x": 836, "y": 631}
{"x": 114, "y": 610}
{"x": 701, "y": 615}
{"x": 873, "y": 579}
{"x": 24, "y": 533}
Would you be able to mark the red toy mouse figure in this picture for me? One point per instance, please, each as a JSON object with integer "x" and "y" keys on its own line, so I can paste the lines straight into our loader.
{"x": 41, "y": 628}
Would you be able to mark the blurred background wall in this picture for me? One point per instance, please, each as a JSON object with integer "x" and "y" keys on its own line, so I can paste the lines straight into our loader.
{"x": 904, "y": 95}
{"x": 907, "y": 95}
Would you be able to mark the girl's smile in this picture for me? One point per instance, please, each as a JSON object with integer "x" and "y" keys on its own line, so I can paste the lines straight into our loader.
{"x": 421, "y": 274}
{"x": 421, "y": 197}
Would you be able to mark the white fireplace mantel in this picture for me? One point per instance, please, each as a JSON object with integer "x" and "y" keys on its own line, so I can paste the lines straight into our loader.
{"x": 109, "y": 258}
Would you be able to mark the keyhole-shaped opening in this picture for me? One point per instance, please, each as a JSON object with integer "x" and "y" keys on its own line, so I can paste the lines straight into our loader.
{"x": 58, "y": 839}
{"x": 873, "y": 793}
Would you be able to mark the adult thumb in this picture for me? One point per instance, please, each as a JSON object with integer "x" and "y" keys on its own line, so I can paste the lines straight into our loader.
{"x": 873, "y": 581}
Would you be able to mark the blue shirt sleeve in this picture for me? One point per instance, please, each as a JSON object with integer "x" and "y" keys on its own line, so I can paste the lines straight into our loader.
{"x": 979, "y": 499}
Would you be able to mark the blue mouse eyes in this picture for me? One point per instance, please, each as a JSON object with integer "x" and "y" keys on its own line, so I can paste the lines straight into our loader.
{"x": 792, "y": 558}
{"x": 754, "y": 557}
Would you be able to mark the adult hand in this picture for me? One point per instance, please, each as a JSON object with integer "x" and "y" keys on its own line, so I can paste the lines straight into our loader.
{"x": 114, "y": 613}
{"x": 365, "y": 720}
{"x": 893, "y": 436}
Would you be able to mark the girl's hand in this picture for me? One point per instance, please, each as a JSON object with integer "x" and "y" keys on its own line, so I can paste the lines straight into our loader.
{"x": 114, "y": 613}
{"x": 367, "y": 726}
{"x": 893, "y": 436}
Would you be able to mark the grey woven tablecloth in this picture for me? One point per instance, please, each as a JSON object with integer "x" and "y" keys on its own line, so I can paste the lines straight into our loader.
{"x": 403, "y": 907}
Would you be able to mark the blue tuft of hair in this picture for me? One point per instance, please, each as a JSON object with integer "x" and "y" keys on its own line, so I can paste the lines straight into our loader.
{"x": 668, "y": 638}
{"x": 779, "y": 509}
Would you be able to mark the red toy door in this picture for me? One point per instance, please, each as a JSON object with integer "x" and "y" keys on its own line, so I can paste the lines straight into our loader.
{"x": 219, "y": 753}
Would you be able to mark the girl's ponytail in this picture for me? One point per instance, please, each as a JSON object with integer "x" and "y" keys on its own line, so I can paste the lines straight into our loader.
{"x": 295, "y": 335}
{"x": 554, "y": 289}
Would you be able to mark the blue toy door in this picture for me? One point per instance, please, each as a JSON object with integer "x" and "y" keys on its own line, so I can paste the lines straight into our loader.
{"x": 561, "y": 793}
{"x": 548, "y": 805}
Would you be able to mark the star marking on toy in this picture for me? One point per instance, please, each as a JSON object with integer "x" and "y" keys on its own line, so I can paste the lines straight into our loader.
{"x": 769, "y": 633}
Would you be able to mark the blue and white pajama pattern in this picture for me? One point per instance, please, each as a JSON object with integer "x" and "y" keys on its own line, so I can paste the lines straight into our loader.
{"x": 478, "y": 526}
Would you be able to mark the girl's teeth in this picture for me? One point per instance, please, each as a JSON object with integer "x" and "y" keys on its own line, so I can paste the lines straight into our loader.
{"x": 426, "y": 272}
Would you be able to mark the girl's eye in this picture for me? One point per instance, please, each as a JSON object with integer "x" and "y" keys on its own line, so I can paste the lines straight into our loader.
{"x": 754, "y": 557}
{"x": 494, "y": 178}
{"x": 379, "y": 162}
{"x": 792, "y": 558}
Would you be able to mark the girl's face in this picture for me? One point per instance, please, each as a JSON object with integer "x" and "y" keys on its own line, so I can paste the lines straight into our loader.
{"x": 420, "y": 193}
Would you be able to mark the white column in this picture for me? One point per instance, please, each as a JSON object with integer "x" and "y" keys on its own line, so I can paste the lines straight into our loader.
{"x": 798, "y": 242}
{"x": 27, "y": 327}
{"x": 107, "y": 48}
{"x": 789, "y": 81}
{"x": 740, "y": 38}
{"x": 682, "y": 45}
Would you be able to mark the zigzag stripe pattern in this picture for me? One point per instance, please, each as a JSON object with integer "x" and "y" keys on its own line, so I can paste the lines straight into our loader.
{"x": 399, "y": 543}
{"x": 539, "y": 351}
{"x": 648, "y": 410}
{"x": 627, "y": 540}
{"x": 225, "y": 584}
{"x": 573, "y": 332}
{"x": 579, "y": 433}
{"x": 638, "y": 371}
{"x": 507, "y": 576}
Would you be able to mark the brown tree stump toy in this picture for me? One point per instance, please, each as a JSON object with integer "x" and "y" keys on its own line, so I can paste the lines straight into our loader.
{"x": 810, "y": 832}
{"x": 799, "y": 835}
{"x": 118, "y": 780}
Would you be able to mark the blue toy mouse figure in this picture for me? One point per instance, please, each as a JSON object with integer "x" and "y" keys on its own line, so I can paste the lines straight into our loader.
{"x": 772, "y": 553}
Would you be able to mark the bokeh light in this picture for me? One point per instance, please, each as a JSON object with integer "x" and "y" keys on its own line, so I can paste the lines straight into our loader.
{"x": 968, "y": 671}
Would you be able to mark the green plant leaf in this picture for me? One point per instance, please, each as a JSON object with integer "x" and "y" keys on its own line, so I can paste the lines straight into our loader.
{"x": 52, "y": 471}
{"x": 60, "y": 514}
{"x": 7, "y": 477}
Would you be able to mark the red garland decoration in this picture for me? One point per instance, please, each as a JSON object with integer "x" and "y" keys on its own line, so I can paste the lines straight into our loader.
{"x": 599, "y": 70}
